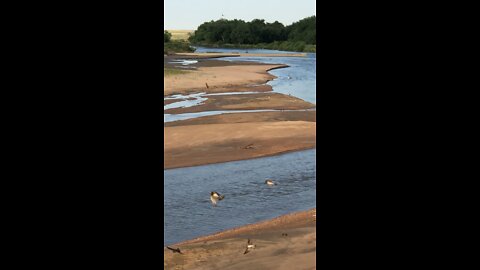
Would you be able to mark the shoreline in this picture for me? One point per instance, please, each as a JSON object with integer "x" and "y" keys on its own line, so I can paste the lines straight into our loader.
{"x": 238, "y": 54}
{"x": 219, "y": 78}
{"x": 254, "y": 136}
{"x": 186, "y": 146}
{"x": 247, "y": 158}
{"x": 290, "y": 220}
{"x": 284, "y": 242}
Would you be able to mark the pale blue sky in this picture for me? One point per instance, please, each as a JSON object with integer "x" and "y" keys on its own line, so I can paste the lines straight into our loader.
{"x": 189, "y": 14}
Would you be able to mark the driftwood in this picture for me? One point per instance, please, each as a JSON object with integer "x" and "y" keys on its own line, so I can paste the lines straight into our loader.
{"x": 175, "y": 250}
{"x": 250, "y": 146}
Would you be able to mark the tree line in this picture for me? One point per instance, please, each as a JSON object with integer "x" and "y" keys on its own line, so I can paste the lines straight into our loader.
{"x": 174, "y": 46}
{"x": 255, "y": 32}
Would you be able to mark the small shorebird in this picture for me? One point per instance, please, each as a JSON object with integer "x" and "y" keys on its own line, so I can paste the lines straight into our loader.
{"x": 215, "y": 197}
{"x": 270, "y": 182}
{"x": 250, "y": 247}
{"x": 175, "y": 250}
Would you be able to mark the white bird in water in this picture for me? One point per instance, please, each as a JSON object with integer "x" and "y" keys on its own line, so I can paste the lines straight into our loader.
{"x": 270, "y": 182}
{"x": 250, "y": 246}
{"x": 215, "y": 197}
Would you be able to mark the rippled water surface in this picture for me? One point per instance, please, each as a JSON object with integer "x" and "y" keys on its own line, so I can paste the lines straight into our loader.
{"x": 188, "y": 211}
{"x": 187, "y": 207}
{"x": 299, "y": 79}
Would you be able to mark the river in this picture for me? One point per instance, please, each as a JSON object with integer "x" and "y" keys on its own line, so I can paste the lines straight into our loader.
{"x": 188, "y": 212}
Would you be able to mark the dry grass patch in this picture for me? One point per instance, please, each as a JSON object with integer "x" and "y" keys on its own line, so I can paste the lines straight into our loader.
{"x": 180, "y": 34}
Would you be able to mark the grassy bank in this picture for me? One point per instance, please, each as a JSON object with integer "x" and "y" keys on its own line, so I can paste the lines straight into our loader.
{"x": 172, "y": 71}
{"x": 176, "y": 46}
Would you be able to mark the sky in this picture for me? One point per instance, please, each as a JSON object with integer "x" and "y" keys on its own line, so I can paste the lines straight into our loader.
{"x": 189, "y": 14}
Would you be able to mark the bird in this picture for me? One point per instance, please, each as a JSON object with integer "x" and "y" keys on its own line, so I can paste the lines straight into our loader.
{"x": 215, "y": 197}
{"x": 250, "y": 146}
{"x": 206, "y": 85}
{"x": 175, "y": 250}
{"x": 270, "y": 182}
{"x": 250, "y": 247}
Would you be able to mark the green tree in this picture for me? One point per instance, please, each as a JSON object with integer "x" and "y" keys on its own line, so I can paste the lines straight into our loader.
{"x": 167, "y": 36}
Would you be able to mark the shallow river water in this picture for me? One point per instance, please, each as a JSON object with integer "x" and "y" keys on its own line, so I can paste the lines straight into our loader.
{"x": 188, "y": 212}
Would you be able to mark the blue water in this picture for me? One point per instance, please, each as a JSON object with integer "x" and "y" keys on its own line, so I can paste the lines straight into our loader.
{"x": 188, "y": 212}
{"x": 298, "y": 80}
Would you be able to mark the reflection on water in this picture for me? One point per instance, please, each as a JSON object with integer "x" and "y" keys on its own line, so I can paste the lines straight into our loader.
{"x": 189, "y": 213}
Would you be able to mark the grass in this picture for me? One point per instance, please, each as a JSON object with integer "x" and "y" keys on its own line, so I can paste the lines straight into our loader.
{"x": 172, "y": 71}
{"x": 176, "y": 46}
{"x": 180, "y": 34}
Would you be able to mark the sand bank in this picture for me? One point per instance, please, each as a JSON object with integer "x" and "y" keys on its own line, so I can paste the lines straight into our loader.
{"x": 215, "y": 79}
{"x": 231, "y": 118}
{"x": 286, "y": 242}
{"x": 259, "y": 101}
{"x": 194, "y": 145}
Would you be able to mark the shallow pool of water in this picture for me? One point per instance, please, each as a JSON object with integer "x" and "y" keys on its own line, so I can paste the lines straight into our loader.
{"x": 188, "y": 211}
{"x": 184, "y": 116}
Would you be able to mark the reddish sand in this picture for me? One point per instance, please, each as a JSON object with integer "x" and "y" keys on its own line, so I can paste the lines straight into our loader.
{"x": 203, "y": 144}
{"x": 217, "y": 78}
{"x": 284, "y": 243}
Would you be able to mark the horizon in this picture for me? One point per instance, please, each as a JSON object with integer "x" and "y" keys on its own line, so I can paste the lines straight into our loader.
{"x": 235, "y": 19}
{"x": 190, "y": 14}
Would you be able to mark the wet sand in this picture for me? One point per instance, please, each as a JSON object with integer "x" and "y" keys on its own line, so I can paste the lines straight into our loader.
{"x": 214, "y": 139}
{"x": 194, "y": 145}
{"x": 232, "y": 118}
{"x": 285, "y": 242}
{"x": 216, "y": 79}
{"x": 261, "y": 101}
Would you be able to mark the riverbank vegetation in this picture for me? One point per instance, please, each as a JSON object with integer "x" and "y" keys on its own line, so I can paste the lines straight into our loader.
{"x": 172, "y": 71}
{"x": 299, "y": 36}
{"x": 174, "y": 46}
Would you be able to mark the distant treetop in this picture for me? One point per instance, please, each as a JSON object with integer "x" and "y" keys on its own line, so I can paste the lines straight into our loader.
{"x": 225, "y": 31}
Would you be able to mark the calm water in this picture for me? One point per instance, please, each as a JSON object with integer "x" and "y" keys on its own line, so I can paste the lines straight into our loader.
{"x": 299, "y": 79}
{"x": 187, "y": 207}
{"x": 188, "y": 210}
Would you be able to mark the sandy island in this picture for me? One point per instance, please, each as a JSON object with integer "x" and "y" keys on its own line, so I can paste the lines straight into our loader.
{"x": 285, "y": 242}
{"x": 218, "y": 78}
{"x": 212, "y": 143}
{"x": 221, "y": 140}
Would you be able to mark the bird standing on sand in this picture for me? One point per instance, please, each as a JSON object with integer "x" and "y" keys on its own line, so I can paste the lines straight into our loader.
{"x": 215, "y": 197}
{"x": 270, "y": 182}
{"x": 250, "y": 247}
